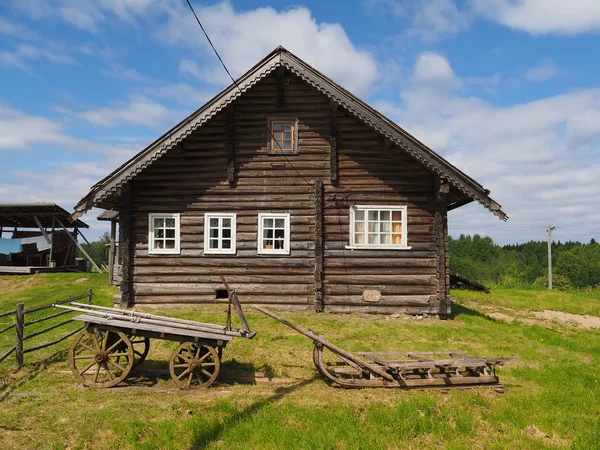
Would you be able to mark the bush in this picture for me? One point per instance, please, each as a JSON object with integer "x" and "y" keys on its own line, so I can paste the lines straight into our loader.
{"x": 559, "y": 282}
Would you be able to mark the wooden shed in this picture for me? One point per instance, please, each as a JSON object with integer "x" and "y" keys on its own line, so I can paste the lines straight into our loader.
{"x": 298, "y": 192}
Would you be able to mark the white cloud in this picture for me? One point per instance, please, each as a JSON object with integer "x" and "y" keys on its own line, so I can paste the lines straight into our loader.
{"x": 243, "y": 38}
{"x": 27, "y": 53}
{"x": 433, "y": 71}
{"x": 543, "y": 16}
{"x": 538, "y": 158}
{"x": 542, "y": 71}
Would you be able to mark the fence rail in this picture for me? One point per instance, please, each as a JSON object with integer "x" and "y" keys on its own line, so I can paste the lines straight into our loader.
{"x": 20, "y": 313}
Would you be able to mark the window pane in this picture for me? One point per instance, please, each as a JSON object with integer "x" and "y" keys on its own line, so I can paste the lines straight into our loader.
{"x": 226, "y": 222}
{"x": 170, "y": 233}
{"x": 277, "y": 126}
{"x": 384, "y": 238}
{"x": 359, "y": 238}
{"x": 268, "y": 244}
{"x": 213, "y": 243}
{"x": 359, "y": 226}
{"x": 159, "y": 222}
{"x": 397, "y": 215}
{"x": 158, "y": 243}
{"x": 372, "y": 239}
{"x": 279, "y": 244}
{"x": 170, "y": 223}
{"x": 268, "y": 223}
{"x": 280, "y": 223}
{"x": 287, "y": 145}
{"x": 268, "y": 233}
{"x": 226, "y": 243}
{"x": 384, "y": 227}
{"x": 170, "y": 243}
{"x": 373, "y": 226}
{"x": 373, "y": 215}
{"x": 359, "y": 214}
{"x": 159, "y": 233}
{"x": 280, "y": 234}
{"x": 213, "y": 232}
{"x": 397, "y": 239}
{"x": 226, "y": 233}
{"x": 384, "y": 215}
{"x": 287, "y": 127}
{"x": 287, "y": 136}
{"x": 214, "y": 222}
{"x": 396, "y": 227}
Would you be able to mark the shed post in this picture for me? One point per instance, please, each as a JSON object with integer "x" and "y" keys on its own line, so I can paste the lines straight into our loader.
{"x": 111, "y": 252}
{"x": 89, "y": 296}
{"x": 51, "y": 242}
{"x": 19, "y": 334}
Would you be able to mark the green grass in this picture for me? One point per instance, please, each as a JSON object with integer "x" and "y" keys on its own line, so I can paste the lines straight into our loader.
{"x": 555, "y": 385}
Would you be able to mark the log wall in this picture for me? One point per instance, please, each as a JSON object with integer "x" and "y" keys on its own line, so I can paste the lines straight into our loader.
{"x": 217, "y": 172}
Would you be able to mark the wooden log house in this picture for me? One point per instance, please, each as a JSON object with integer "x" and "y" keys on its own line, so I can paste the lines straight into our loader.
{"x": 301, "y": 194}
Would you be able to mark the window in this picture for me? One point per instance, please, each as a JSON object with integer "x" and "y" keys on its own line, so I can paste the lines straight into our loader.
{"x": 274, "y": 233}
{"x": 378, "y": 227}
{"x": 283, "y": 135}
{"x": 219, "y": 233}
{"x": 163, "y": 234}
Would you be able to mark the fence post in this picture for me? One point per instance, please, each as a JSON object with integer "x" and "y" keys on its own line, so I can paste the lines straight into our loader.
{"x": 89, "y": 296}
{"x": 19, "y": 328}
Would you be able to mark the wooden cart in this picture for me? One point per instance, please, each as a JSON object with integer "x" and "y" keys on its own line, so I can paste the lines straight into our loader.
{"x": 398, "y": 369}
{"x": 115, "y": 341}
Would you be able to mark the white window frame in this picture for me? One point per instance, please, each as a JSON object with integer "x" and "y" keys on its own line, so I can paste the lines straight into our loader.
{"x": 403, "y": 246}
{"x": 286, "y": 243}
{"x": 164, "y": 251}
{"x": 220, "y": 251}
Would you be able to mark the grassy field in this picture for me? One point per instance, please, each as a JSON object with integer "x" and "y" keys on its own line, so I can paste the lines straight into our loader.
{"x": 270, "y": 396}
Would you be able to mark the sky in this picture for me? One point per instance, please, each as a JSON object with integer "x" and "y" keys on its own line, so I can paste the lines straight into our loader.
{"x": 507, "y": 90}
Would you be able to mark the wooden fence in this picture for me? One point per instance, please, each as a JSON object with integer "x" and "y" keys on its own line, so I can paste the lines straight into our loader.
{"x": 20, "y": 323}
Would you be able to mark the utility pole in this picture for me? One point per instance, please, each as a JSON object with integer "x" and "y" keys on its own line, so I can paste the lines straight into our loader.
{"x": 550, "y": 229}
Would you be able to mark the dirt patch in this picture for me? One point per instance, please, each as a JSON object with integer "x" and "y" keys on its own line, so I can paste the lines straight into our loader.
{"x": 586, "y": 322}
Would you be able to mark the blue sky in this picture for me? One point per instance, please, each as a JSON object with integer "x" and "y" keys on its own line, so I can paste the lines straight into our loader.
{"x": 508, "y": 90}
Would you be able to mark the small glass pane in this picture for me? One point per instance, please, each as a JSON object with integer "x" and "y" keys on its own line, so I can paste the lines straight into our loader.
{"x": 279, "y": 223}
{"x": 170, "y": 223}
{"x": 287, "y": 145}
{"x": 384, "y": 227}
{"x": 268, "y": 234}
{"x": 214, "y": 222}
{"x": 226, "y": 243}
{"x": 159, "y": 233}
{"x": 287, "y": 127}
{"x": 277, "y": 126}
{"x": 373, "y": 215}
{"x": 213, "y": 233}
{"x": 359, "y": 238}
{"x": 170, "y": 233}
{"x": 397, "y": 215}
{"x": 226, "y": 233}
{"x": 372, "y": 239}
{"x": 359, "y": 214}
{"x": 384, "y": 215}
{"x": 384, "y": 238}
{"x": 158, "y": 243}
{"x": 159, "y": 222}
{"x": 226, "y": 222}
{"x": 268, "y": 223}
{"x": 359, "y": 226}
{"x": 397, "y": 227}
{"x": 397, "y": 239}
{"x": 280, "y": 234}
{"x": 279, "y": 244}
{"x": 267, "y": 244}
{"x": 373, "y": 226}
{"x": 214, "y": 243}
{"x": 287, "y": 136}
{"x": 170, "y": 243}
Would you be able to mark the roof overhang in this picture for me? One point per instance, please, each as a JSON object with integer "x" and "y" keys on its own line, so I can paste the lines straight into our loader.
{"x": 280, "y": 57}
{"x": 23, "y": 215}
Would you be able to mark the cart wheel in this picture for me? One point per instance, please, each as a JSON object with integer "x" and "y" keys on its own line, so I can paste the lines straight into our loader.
{"x": 141, "y": 347}
{"x": 101, "y": 358}
{"x": 194, "y": 365}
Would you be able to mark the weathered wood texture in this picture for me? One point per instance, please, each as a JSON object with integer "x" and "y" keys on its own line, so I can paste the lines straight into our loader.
{"x": 319, "y": 268}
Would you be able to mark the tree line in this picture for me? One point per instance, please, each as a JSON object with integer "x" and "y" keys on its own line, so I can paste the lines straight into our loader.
{"x": 575, "y": 264}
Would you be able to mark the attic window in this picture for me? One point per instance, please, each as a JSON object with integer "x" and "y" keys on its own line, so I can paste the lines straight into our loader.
{"x": 283, "y": 135}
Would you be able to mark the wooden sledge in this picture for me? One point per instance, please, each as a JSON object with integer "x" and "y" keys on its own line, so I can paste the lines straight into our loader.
{"x": 408, "y": 370}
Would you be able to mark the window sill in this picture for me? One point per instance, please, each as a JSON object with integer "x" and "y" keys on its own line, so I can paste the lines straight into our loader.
{"x": 219, "y": 252}
{"x": 378, "y": 247}
{"x": 155, "y": 253}
{"x": 273, "y": 253}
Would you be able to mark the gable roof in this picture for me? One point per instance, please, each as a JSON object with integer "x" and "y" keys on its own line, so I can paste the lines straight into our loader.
{"x": 281, "y": 57}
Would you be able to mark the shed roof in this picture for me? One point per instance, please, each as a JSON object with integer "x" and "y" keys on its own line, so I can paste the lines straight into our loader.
{"x": 108, "y": 215}
{"x": 280, "y": 57}
{"x": 22, "y": 215}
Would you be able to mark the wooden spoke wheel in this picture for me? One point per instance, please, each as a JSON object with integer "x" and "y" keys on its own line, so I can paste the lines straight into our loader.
{"x": 194, "y": 365}
{"x": 101, "y": 358}
{"x": 141, "y": 347}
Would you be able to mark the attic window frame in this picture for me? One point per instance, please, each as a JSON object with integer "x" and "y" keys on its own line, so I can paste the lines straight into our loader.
{"x": 272, "y": 147}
